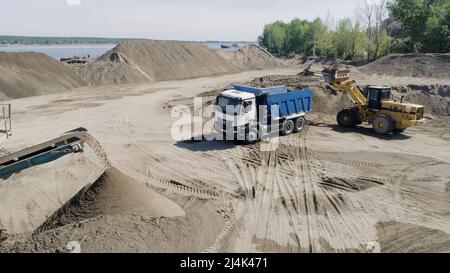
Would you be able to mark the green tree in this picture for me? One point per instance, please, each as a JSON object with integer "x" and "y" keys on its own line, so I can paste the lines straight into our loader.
{"x": 437, "y": 33}
{"x": 274, "y": 38}
{"x": 316, "y": 34}
{"x": 296, "y": 36}
{"x": 349, "y": 40}
{"x": 412, "y": 16}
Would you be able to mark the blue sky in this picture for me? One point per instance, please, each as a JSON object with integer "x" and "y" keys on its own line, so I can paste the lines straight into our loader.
{"x": 160, "y": 19}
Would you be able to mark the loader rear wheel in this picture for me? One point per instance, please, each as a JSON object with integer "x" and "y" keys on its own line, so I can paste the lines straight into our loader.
{"x": 299, "y": 124}
{"x": 383, "y": 125}
{"x": 346, "y": 118}
{"x": 288, "y": 128}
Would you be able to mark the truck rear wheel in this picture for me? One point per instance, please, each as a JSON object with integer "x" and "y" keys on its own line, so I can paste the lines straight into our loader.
{"x": 299, "y": 124}
{"x": 288, "y": 128}
{"x": 383, "y": 125}
{"x": 346, "y": 118}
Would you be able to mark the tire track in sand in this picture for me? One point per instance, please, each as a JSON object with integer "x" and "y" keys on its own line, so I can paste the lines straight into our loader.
{"x": 290, "y": 211}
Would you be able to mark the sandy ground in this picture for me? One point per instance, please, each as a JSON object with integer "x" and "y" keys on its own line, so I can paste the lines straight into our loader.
{"x": 325, "y": 190}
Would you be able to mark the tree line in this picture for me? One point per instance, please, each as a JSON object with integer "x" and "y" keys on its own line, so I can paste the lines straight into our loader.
{"x": 379, "y": 28}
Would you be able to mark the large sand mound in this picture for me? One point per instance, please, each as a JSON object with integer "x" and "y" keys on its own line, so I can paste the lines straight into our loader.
{"x": 250, "y": 57}
{"x": 112, "y": 194}
{"x": 146, "y": 61}
{"x": 30, "y": 74}
{"x": 411, "y": 65}
{"x": 195, "y": 232}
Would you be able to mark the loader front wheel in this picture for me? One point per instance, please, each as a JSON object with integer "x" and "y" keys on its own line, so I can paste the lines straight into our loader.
{"x": 383, "y": 125}
{"x": 346, "y": 118}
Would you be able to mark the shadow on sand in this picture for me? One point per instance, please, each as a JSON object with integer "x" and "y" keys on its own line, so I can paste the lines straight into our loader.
{"x": 206, "y": 144}
{"x": 360, "y": 130}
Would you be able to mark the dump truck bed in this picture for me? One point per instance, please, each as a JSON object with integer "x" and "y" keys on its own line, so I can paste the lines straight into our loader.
{"x": 291, "y": 103}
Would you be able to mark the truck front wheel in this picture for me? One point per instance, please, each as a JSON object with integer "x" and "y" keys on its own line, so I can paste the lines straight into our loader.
{"x": 299, "y": 124}
{"x": 251, "y": 136}
{"x": 288, "y": 128}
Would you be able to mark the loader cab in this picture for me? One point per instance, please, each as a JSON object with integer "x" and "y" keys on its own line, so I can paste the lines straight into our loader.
{"x": 376, "y": 95}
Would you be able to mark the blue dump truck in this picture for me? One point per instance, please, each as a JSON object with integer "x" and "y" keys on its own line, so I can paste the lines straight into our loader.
{"x": 250, "y": 114}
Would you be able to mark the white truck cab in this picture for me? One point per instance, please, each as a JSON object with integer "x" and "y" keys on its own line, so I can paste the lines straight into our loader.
{"x": 236, "y": 108}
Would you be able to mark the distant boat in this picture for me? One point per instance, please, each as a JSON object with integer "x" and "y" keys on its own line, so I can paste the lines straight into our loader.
{"x": 224, "y": 46}
{"x": 236, "y": 45}
{"x": 77, "y": 60}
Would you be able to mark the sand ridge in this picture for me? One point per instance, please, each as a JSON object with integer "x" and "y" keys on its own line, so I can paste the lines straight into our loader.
{"x": 30, "y": 74}
{"x": 431, "y": 65}
{"x": 147, "y": 61}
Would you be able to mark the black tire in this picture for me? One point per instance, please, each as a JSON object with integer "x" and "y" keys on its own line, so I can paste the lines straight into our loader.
{"x": 288, "y": 128}
{"x": 251, "y": 136}
{"x": 300, "y": 124}
{"x": 383, "y": 125}
{"x": 347, "y": 118}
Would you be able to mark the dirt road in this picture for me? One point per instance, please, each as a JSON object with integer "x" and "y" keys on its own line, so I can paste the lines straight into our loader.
{"x": 324, "y": 190}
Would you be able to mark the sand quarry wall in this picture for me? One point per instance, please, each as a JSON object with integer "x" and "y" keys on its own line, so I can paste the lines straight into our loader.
{"x": 411, "y": 65}
{"x": 30, "y": 74}
{"x": 147, "y": 61}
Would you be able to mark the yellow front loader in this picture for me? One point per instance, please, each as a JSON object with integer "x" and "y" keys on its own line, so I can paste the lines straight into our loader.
{"x": 376, "y": 108}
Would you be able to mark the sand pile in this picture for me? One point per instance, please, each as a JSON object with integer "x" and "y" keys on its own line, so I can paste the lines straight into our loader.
{"x": 146, "y": 61}
{"x": 411, "y": 65}
{"x": 251, "y": 57}
{"x": 112, "y": 194}
{"x": 30, "y": 74}
{"x": 118, "y": 214}
{"x": 195, "y": 232}
{"x": 134, "y": 62}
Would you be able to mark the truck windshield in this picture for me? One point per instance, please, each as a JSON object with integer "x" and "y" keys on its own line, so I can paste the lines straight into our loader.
{"x": 234, "y": 104}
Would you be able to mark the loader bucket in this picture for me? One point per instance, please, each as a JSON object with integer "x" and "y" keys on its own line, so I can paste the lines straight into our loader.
{"x": 330, "y": 76}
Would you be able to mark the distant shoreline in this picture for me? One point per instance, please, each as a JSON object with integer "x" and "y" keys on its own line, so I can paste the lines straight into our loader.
{"x": 47, "y": 41}
{"x": 95, "y": 50}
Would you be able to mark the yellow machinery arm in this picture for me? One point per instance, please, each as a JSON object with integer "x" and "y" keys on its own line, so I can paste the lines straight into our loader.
{"x": 352, "y": 90}
{"x": 339, "y": 80}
